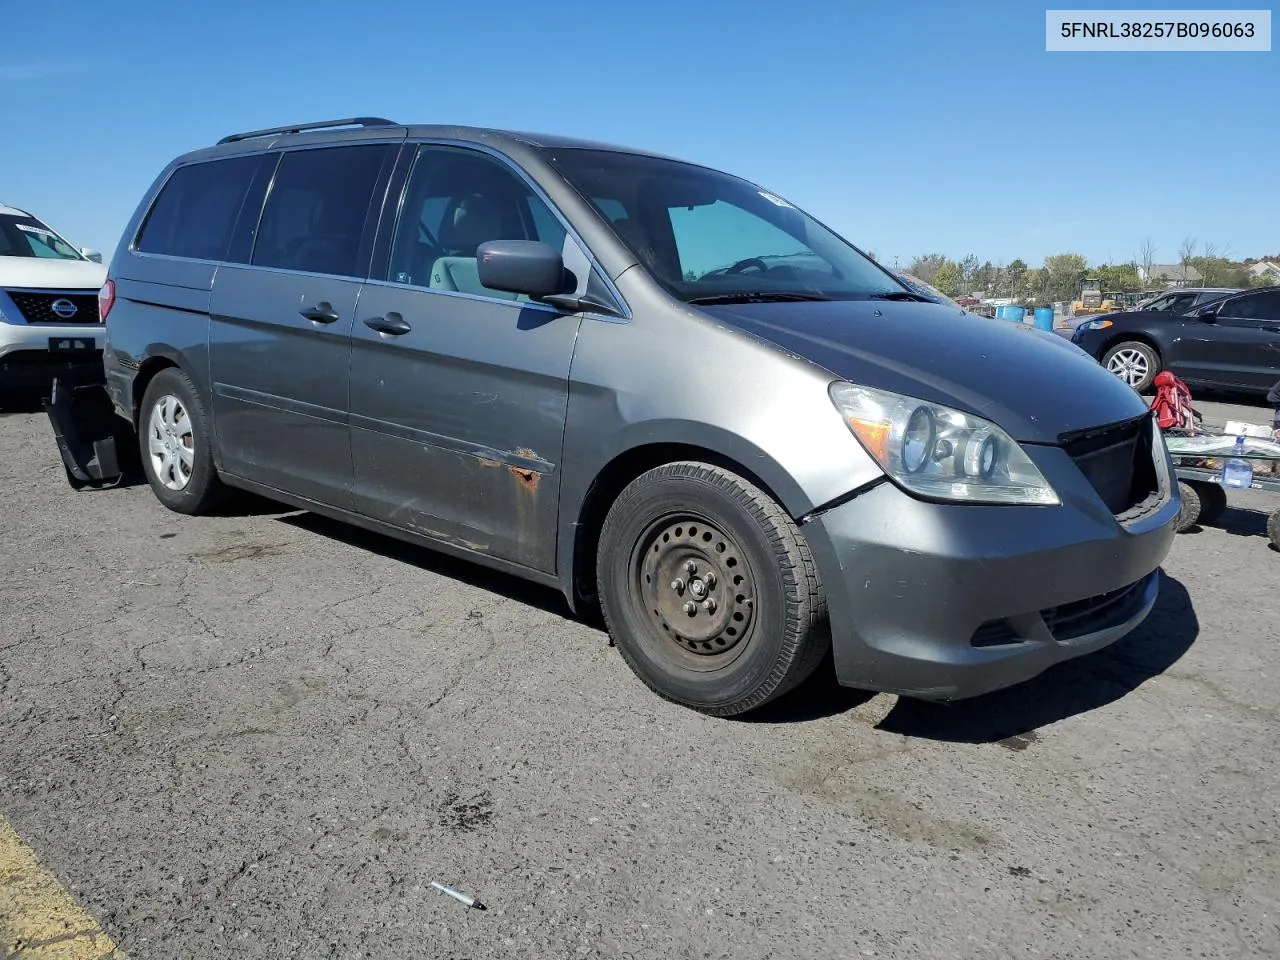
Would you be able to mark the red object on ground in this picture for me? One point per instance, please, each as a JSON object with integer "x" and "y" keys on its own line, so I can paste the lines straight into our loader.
{"x": 1172, "y": 405}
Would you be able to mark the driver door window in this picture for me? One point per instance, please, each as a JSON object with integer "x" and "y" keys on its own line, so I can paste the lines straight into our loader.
{"x": 456, "y": 200}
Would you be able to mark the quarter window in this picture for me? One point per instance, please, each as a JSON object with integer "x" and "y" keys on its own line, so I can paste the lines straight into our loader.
{"x": 455, "y": 200}
{"x": 1254, "y": 306}
{"x": 197, "y": 209}
{"x": 314, "y": 218}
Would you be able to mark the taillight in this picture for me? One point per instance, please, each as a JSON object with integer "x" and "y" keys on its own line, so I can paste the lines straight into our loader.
{"x": 106, "y": 300}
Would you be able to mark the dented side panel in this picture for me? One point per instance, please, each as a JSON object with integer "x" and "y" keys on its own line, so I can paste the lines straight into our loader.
{"x": 457, "y": 426}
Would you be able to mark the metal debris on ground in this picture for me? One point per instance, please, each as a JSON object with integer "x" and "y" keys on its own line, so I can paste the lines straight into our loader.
{"x": 461, "y": 897}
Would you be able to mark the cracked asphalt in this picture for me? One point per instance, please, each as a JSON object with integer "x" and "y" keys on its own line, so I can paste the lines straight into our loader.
{"x": 264, "y": 734}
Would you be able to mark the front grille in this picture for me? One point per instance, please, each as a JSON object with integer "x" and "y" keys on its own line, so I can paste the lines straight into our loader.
{"x": 37, "y": 306}
{"x": 1069, "y": 621}
{"x": 1118, "y": 462}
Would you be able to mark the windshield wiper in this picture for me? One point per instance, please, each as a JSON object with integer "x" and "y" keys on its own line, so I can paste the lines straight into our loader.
{"x": 756, "y": 296}
{"x": 903, "y": 295}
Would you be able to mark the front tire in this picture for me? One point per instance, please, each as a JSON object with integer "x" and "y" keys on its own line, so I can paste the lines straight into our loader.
{"x": 709, "y": 589}
{"x": 1134, "y": 362}
{"x": 175, "y": 443}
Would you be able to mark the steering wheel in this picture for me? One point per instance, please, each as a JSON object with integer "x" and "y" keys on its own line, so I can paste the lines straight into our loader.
{"x": 742, "y": 265}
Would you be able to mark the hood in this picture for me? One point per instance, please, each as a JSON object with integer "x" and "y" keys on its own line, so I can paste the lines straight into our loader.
{"x": 1033, "y": 384}
{"x": 48, "y": 274}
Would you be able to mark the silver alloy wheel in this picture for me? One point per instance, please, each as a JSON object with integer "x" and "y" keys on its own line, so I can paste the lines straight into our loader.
{"x": 1130, "y": 366}
{"x": 172, "y": 442}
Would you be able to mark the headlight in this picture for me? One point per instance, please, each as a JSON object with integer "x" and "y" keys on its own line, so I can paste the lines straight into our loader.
{"x": 1094, "y": 325}
{"x": 938, "y": 452}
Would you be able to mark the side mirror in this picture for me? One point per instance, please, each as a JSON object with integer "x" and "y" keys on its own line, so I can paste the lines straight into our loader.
{"x": 90, "y": 254}
{"x": 1207, "y": 314}
{"x": 521, "y": 266}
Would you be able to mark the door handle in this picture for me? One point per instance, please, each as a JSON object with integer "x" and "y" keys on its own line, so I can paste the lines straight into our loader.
{"x": 1272, "y": 328}
{"x": 322, "y": 312}
{"x": 392, "y": 324}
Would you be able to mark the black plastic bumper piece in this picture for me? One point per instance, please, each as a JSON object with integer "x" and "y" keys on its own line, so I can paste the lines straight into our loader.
{"x": 98, "y": 448}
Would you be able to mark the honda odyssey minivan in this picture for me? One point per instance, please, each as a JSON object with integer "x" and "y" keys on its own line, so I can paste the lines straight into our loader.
{"x": 654, "y": 386}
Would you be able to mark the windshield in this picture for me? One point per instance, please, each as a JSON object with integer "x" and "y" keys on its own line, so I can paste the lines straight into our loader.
{"x": 705, "y": 235}
{"x": 22, "y": 236}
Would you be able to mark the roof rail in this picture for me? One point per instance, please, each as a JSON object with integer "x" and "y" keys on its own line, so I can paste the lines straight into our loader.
{"x": 300, "y": 127}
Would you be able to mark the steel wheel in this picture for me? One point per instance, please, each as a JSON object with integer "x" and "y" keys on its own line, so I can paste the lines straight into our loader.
{"x": 697, "y": 591}
{"x": 171, "y": 442}
{"x": 709, "y": 589}
{"x": 1130, "y": 365}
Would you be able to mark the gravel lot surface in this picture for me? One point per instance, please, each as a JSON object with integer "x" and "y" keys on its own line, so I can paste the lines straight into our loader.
{"x": 264, "y": 734}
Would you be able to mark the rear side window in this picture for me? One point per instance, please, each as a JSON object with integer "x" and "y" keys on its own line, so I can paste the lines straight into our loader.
{"x": 1254, "y": 306}
{"x": 197, "y": 208}
{"x": 314, "y": 218}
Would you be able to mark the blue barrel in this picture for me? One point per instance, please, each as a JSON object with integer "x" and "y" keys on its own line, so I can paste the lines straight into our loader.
{"x": 1015, "y": 313}
{"x": 1044, "y": 318}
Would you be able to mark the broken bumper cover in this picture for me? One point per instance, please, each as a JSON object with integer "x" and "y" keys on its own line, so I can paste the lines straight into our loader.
{"x": 948, "y": 601}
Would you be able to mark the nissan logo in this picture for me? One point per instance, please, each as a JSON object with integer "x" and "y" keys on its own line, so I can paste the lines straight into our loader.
{"x": 64, "y": 308}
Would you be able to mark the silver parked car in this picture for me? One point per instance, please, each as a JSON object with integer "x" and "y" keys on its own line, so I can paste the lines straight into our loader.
{"x": 654, "y": 386}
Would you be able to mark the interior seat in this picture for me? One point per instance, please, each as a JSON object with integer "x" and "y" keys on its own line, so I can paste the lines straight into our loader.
{"x": 475, "y": 219}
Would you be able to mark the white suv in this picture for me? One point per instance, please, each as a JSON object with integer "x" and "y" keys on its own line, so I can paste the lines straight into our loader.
{"x": 48, "y": 304}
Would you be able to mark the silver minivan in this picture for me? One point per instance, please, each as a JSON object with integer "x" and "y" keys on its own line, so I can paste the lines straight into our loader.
{"x": 662, "y": 389}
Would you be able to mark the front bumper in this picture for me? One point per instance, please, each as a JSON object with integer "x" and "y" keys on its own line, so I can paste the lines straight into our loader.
{"x": 34, "y": 337}
{"x": 27, "y": 361}
{"x": 948, "y": 601}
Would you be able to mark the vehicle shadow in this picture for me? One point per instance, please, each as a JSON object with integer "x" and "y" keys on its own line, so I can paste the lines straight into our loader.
{"x": 23, "y": 402}
{"x": 424, "y": 558}
{"x": 1065, "y": 690}
{"x": 1236, "y": 521}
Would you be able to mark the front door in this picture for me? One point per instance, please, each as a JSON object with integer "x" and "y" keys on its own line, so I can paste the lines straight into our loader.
{"x": 280, "y": 340}
{"x": 1239, "y": 348}
{"x": 458, "y": 392}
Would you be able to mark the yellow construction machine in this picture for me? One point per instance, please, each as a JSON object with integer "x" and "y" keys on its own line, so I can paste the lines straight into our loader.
{"x": 1092, "y": 301}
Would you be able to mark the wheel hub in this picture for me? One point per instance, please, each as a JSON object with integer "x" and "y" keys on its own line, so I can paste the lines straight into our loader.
{"x": 698, "y": 587}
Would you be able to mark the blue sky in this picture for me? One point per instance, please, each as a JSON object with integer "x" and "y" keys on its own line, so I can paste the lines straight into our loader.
{"x": 908, "y": 127}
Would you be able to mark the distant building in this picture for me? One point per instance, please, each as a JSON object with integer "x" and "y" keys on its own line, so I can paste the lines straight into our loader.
{"x": 1266, "y": 270}
{"x": 1169, "y": 275}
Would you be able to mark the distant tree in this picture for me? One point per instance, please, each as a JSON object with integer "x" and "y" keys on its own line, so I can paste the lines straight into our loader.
{"x": 927, "y": 266}
{"x": 1063, "y": 273}
{"x": 984, "y": 278}
{"x": 872, "y": 255}
{"x": 1015, "y": 278}
{"x": 1147, "y": 257}
{"x": 1220, "y": 272}
{"x": 969, "y": 273}
{"x": 1036, "y": 284}
{"x": 1186, "y": 250}
{"x": 949, "y": 279}
{"x": 1118, "y": 278}
{"x": 1264, "y": 279}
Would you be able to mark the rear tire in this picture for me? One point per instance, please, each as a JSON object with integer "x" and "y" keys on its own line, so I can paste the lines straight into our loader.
{"x": 1134, "y": 363}
{"x": 1189, "y": 514}
{"x": 175, "y": 443}
{"x": 709, "y": 589}
{"x": 1273, "y": 529}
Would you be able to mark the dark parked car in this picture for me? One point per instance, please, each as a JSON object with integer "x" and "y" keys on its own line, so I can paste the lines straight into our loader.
{"x": 1229, "y": 343}
{"x": 648, "y": 384}
{"x": 1182, "y": 300}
